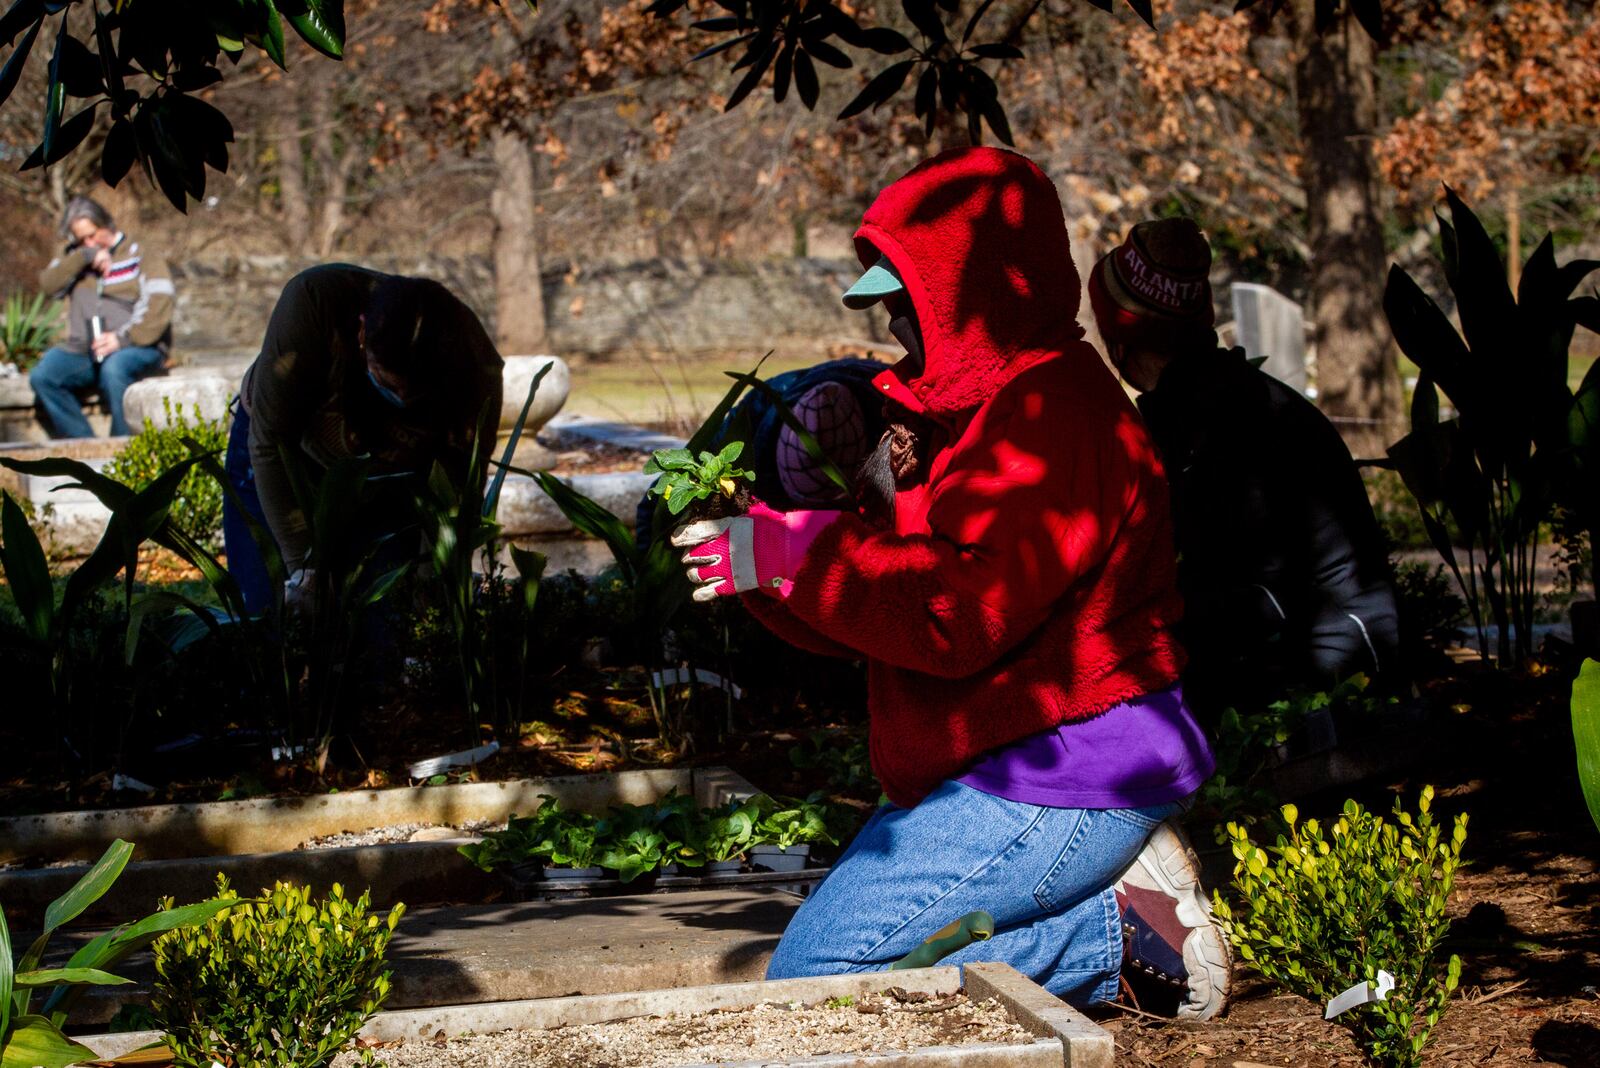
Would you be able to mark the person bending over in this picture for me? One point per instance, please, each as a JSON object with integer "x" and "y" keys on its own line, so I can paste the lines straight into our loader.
{"x": 354, "y": 364}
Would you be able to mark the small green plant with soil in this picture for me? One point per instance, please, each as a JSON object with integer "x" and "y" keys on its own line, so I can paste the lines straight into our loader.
{"x": 1330, "y": 906}
{"x": 710, "y": 483}
{"x": 283, "y": 981}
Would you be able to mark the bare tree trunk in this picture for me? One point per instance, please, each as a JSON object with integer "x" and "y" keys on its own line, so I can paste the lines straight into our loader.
{"x": 1358, "y": 384}
{"x": 518, "y": 297}
{"x": 334, "y": 166}
{"x": 292, "y": 195}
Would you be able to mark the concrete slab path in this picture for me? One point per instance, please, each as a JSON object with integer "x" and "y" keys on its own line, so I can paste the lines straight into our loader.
{"x": 509, "y": 952}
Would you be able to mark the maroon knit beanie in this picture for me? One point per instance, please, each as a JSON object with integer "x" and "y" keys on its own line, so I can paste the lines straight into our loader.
{"x": 1154, "y": 287}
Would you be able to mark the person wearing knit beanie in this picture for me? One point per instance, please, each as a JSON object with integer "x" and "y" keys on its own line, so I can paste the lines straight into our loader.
{"x": 1283, "y": 570}
{"x": 1152, "y": 298}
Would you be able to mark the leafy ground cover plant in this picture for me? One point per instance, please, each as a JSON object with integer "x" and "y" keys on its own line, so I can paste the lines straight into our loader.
{"x": 1328, "y": 907}
{"x": 30, "y": 1039}
{"x": 787, "y": 822}
{"x": 284, "y": 981}
{"x": 197, "y": 507}
{"x": 724, "y": 834}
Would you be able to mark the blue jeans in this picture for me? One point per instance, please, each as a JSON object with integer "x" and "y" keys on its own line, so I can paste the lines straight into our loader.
{"x": 60, "y": 374}
{"x": 245, "y": 563}
{"x": 1045, "y": 874}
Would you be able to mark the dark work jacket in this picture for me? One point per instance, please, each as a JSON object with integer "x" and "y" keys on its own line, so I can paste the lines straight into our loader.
{"x": 1283, "y": 570}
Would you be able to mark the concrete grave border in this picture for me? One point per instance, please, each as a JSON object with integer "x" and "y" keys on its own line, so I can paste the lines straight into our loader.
{"x": 1063, "y": 1036}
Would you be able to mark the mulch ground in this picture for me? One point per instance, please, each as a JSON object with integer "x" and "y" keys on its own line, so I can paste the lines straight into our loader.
{"x": 1526, "y": 910}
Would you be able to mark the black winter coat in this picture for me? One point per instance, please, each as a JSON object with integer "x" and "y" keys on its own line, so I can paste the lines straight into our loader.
{"x": 1283, "y": 569}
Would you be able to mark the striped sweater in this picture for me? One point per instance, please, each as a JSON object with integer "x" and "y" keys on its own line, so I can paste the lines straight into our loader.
{"x": 133, "y": 299}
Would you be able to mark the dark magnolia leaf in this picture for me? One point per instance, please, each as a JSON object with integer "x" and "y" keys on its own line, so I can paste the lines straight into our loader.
{"x": 210, "y": 128}
{"x": 80, "y": 69}
{"x": 118, "y": 153}
{"x": 194, "y": 79}
{"x": 988, "y": 104}
{"x": 952, "y": 6}
{"x": 720, "y": 25}
{"x": 752, "y": 77}
{"x": 884, "y": 41}
{"x": 721, "y": 47}
{"x": 951, "y": 82}
{"x": 320, "y": 25}
{"x": 1327, "y": 12}
{"x": 1142, "y": 9}
{"x": 996, "y": 50}
{"x": 17, "y": 60}
{"x": 781, "y": 71}
{"x": 972, "y": 23}
{"x": 884, "y": 85}
{"x": 268, "y": 35}
{"x": 166, "y": 171}
{"x": 663, "y": 9}
{"x": 823, "y": 52}
{"x": 924, "y": 15}
{"x": 805, "y": 80}
{"x": 181, "y": 148}
{"x": 761, "y": 41}
{"x": 55, "y": 96}
{"x": 110, "y": 63}
{"x": 1370, "y": 14}
{"x": 68, "y": 137}
{"x": 926, "y": 99}
{"x": 19, "y": 14}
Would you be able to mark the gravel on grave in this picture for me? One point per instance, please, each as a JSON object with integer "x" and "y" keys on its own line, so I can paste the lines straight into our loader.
{"x": 403, "y": 832}
{"x": 895, "y": 1020}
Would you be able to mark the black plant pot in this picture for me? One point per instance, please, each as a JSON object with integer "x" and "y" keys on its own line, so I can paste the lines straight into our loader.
{"x": 779, "y": 858}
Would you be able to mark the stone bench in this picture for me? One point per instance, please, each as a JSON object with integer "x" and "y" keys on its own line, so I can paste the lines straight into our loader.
{"x": 196, "y": 384}
{"x": 73, "y": 520}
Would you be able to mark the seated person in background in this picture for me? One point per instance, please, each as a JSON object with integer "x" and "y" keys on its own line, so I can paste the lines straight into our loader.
{"x": 354, "y": 363}
{"x": 119, "y": 320}
{"x": 1282, "y": 567}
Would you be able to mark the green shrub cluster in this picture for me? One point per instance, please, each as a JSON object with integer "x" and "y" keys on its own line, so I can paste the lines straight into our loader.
{"x": 197, "y": 510}
{"x": 632, "y": 840}
{"x": 1328, "y": 907}
{"x": 284, "y": 981}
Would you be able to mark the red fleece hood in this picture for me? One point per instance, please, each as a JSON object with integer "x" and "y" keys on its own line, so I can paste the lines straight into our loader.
{"x": 979, "y": 241}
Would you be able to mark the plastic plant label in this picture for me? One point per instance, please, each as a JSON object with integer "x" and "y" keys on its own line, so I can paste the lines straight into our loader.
{"x": 467, "y": 758}
{"x": 1362, "y": 993}
{"x": 680, "y": 676}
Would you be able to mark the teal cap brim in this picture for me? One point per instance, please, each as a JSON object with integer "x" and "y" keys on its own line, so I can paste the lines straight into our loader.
{"x": 879, "y": 281}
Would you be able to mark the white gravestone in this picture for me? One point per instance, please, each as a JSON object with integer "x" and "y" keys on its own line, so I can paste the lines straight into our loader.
{"x": 1267, "y": 323}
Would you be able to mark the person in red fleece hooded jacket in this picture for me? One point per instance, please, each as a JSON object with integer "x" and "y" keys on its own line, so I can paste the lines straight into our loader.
{"x": 1014, "y": 595}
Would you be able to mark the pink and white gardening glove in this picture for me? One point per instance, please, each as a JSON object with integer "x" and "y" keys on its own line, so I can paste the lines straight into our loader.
{"x": 761, "y": 549}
